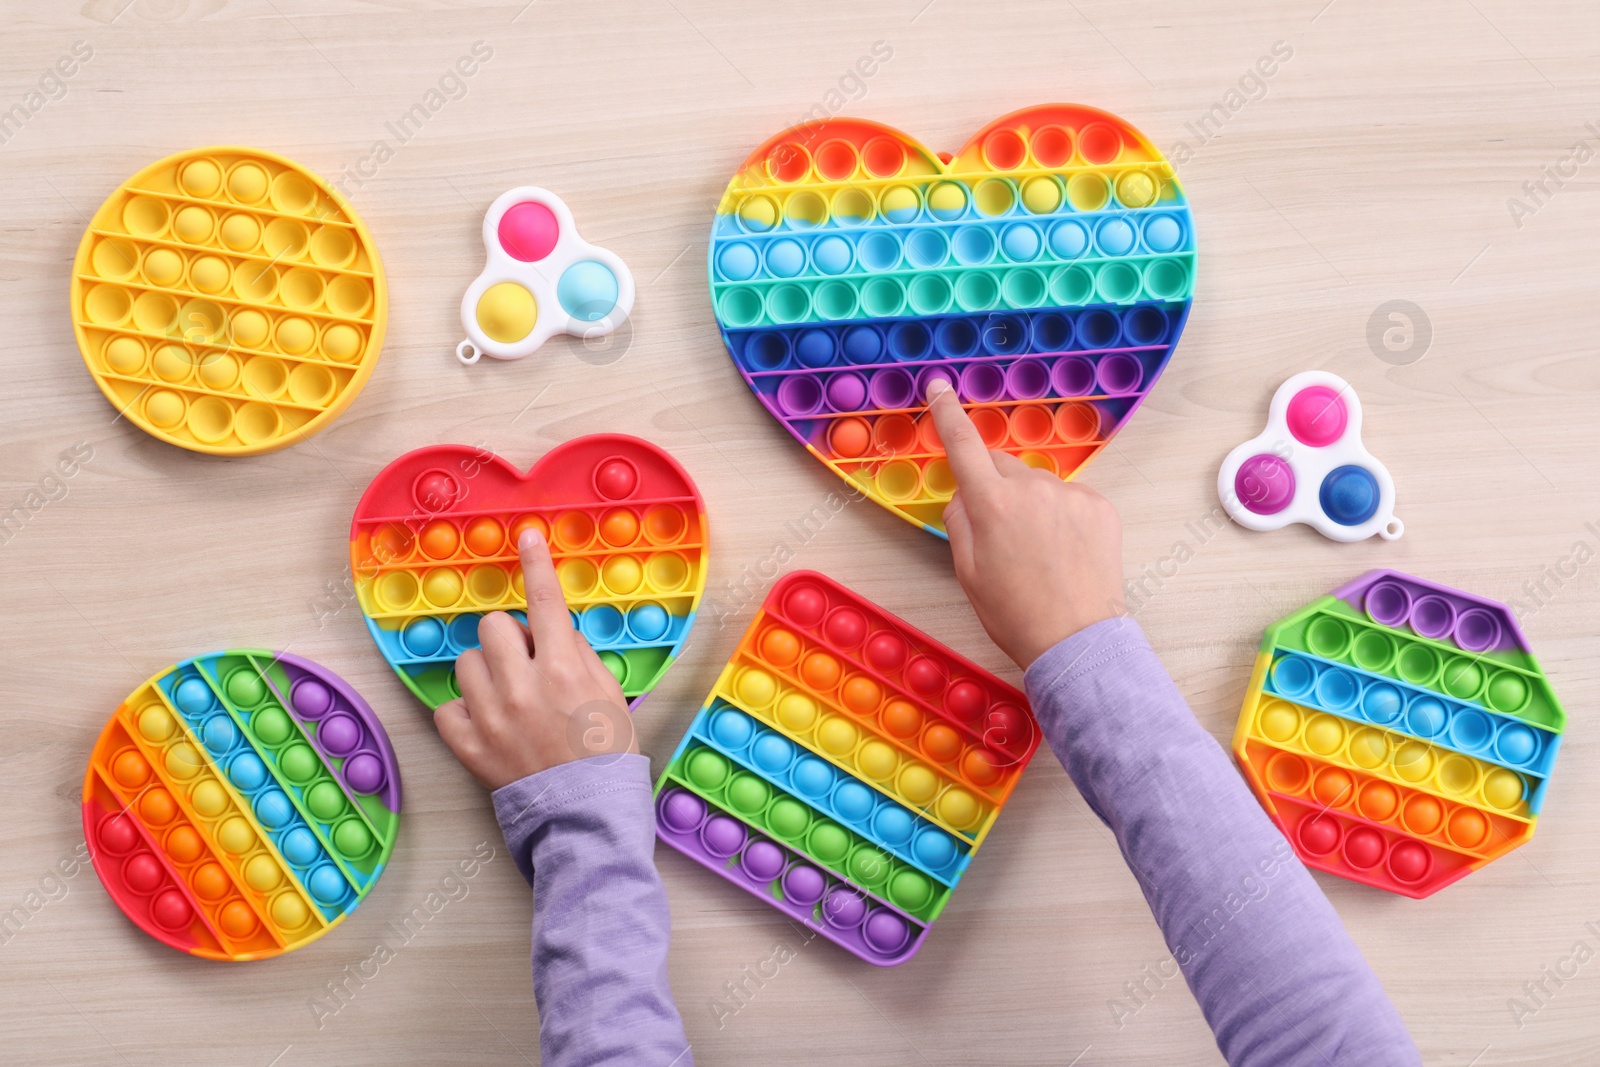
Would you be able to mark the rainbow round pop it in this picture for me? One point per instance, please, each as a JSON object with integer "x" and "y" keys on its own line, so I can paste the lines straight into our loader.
{"x": 1045, "y": 270}
{"x": 541, "y": 279}
{"x": 845, "y": 768}
{"x": 241, "y": 804}
{"x": 433, "y": 546}
{"x": 1310, "y": 466}
{"x": 1399, "y": 732}
{"x": 227, "y": 300}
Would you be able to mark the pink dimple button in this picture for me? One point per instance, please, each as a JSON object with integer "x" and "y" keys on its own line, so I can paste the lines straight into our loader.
{"x": 1317, "y": 416}
{"x": 528, "y": 231}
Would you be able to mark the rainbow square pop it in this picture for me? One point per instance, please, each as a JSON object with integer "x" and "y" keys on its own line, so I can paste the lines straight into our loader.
{"x": 241, "y": 804}
{"x": 1399, "y": 732}
{"x": 1045, "y": 270}
{"x": 228, "y": 300}
{"x": 433, "y": 547}
{"x": 845, "y": 768}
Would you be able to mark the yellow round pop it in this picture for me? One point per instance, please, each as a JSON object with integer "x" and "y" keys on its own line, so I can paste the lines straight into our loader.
{"x": 227, "y": 300}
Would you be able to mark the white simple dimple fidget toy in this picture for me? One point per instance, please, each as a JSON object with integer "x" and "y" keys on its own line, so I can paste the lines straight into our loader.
{"x": 1310, "y": 466}
{"x": 542, "y": 279}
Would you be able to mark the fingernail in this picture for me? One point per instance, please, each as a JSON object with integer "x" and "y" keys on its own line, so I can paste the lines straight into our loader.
{"x": 529, "y": 539}
{"x": 936, "y": 388}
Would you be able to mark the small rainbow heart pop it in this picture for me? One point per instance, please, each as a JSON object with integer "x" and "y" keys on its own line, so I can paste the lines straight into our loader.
{"x": 1310, "y": 466}
{"x": 1399, "y": 732}
{"x": 433, "y": 547}
{"x": 241, "y": 804}
{"x": 1045, "y": 270}
{"x": 845, "y": 768}
{"x": 228, "y": 300}
{"x": 541, "y": 279}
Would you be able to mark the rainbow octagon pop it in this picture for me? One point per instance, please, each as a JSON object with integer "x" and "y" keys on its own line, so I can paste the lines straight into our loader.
{"x": 1045, "y": 270}
{"x": 227, "y": 300}
{"x": 845, "y": 768}
{"x": 1399, "y": 732}
{"x": 241, "y": 804}
{"x": 433, "y": 548}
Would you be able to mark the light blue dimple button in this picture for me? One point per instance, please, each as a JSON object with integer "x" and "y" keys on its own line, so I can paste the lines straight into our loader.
{"x": 785, "y": 258}
{"x": 1115, "y": 237}
{"x": 1021, "y": 242}
{"x": 587, "y": 290}
{"x": 1163, "y": 233}
{"x": 248, "y": 772}
{"x": 1068, "y": 240}
{"x": 738, "y": 261}
{"x": 192, "y": 696}
{"x": 832, "y": 254}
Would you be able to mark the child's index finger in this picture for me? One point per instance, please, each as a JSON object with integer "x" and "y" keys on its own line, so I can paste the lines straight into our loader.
{"x": 548, "y": 620}
{"x": 969, "y": 457}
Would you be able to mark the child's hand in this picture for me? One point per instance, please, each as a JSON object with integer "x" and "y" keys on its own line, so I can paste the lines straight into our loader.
{"x": 1039, "y": 558}
{"x": 534, "y": 696}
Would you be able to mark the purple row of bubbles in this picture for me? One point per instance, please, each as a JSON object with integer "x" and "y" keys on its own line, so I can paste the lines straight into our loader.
{"x": 954, "y": 337}
{"x": 901, "y": 388}
{"x": 724, "y": 844}
{"x": 1434, "y": 616}
{"x": 343, "y": 726}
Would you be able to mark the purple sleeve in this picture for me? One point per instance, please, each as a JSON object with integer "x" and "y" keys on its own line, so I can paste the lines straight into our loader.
{"x": 583, "y": 835}
{"x": 1277, "y": 976}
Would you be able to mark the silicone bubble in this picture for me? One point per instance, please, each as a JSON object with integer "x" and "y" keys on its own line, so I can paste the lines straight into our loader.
{"x": 1310, "y": 466}
{"x": 199, "y": 248}
{"x": 222, "y": 809}
{"x": 542, "y": 278}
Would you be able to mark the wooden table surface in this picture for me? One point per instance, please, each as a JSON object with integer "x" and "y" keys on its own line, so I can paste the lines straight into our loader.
{"x": 1382, "y": 160}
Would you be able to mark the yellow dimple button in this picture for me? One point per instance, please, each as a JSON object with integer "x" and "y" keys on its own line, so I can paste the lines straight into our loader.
{"x": 507, "y": 312}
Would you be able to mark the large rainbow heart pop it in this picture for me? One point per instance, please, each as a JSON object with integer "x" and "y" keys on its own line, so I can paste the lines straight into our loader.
{"x": 433, "y": 548}
{"x": 1045, "y": 270}
{"x": 228, "y": 300}
{"x": 845, "y": 768}
{"x": 1399, "y": 732}
{"x": 241, "y": 804}
{"x": 541, "y": 279}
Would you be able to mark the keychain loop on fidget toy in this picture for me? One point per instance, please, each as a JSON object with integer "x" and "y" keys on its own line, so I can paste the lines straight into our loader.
{"x": 541, "y": 279}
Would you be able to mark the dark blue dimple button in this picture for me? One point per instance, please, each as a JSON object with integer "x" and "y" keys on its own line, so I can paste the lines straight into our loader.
{"x": 1349, "y": 495}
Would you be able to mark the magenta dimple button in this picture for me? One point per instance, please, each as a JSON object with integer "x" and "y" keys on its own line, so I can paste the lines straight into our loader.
{"x": 528, "y": 231}
{"x": 1317, "y": 416}
{"x": 1264, "y": 484}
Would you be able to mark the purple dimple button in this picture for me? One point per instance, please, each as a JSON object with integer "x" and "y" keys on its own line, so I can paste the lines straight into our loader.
{"x": 311, "y": 698}
{"x": 762, "y": 861}
{"x": 847, "y": 392}
{"x": 364, "y": 772}
{"x": 722, "y": 836}
{"x": 1477, "y": 630}
{"x": 1433, "y": 616}
{"x": 339, "y": 735}
{"x": 800, "y": 394}
{"x": 1388, "y": 603}
{"x": 885, "y": 932}
{"x": 682, "y": 811}
{"x": 844, "y": 909}
{"x": 803, "y": 884}
{"x": 1264, "y": 484}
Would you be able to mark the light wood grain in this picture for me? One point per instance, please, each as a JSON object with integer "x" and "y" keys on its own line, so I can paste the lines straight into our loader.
{"x": 1377, "y": 165}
